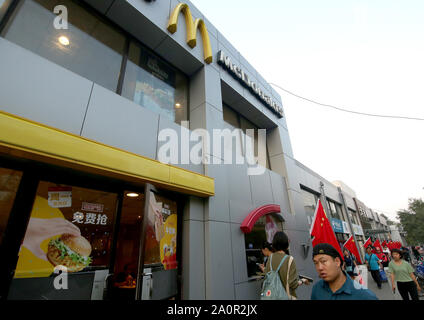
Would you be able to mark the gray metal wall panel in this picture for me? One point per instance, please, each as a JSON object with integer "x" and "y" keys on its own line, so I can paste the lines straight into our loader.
{"x": 194, "y": 209}
{"x": 167, "y": 124}
{"x": 238, "y": 183}
{"x": 240, "y": 210}
{"x": 261, "y": 189}
{"x": 145, "y": 21}
{"x": 301, "y": 220}
{"x": 193, "y": 264}
{"x": 239, "y": 254}
{"x": 219, "y": 261}
{"x": 100, "y": 5}
{"x": 29, "y": 88}
{"x": 217, "y": 207}
{"x": 279, "y": 191}
{"x": 116, "y": 121}
{"x": 248, "y": 290}
{"x": 205, "y": 86}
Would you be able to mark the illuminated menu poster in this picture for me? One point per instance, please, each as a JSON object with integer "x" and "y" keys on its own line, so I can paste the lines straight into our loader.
{"x": 155, "y": 86}
{"x": 161, "y": 236}
{"x": 70, "y": 227}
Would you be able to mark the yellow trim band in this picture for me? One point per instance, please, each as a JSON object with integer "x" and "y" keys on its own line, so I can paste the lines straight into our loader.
{"x": 25, "y": 138}
{"x": 191, "y": 30}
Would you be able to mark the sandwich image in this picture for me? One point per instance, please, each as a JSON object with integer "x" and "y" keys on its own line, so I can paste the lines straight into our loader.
{"x": 72, "y": 252}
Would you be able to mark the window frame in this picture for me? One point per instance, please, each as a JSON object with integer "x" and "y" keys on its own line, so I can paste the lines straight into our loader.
{"x": 239, "y": 127}
{"x": 14, "y": 9}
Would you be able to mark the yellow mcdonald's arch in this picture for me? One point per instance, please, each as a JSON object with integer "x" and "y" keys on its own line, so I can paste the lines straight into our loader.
{"x": 191, "y": 29}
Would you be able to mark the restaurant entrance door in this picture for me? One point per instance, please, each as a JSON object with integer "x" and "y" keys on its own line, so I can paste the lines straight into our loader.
{"x": 148, "y": 222}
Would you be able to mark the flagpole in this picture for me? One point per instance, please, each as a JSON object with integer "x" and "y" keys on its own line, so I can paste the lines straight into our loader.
{"x": 348, "y": 221}
{"x": 315, "y": 216}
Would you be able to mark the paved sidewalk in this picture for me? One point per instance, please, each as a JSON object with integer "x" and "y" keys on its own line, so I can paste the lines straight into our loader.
{"x": 385, "y": 293}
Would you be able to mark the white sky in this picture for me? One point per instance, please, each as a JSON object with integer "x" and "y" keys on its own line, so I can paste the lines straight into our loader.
{"x": 362, "y": 55}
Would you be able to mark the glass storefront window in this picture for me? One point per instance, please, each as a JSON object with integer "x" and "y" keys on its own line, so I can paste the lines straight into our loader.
{"x": 155, "y": 85}
{"x": 161, "y": 235}
{"x": 263, "y": 230}
{"x": 69, "y": 227}
{"x": 9, "y": 183}
{"x": 89, "y": 47}
{"x": 309, "y": 202}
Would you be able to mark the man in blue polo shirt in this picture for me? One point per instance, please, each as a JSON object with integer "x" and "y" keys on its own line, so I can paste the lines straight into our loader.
{"x": 334, "y": 283}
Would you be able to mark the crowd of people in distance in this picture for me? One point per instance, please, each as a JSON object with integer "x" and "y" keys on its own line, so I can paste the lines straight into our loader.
{"x": 338, "y": 275}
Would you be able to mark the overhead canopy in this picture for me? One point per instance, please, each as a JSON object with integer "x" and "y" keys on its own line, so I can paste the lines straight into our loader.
{"x": 30, "y": 140}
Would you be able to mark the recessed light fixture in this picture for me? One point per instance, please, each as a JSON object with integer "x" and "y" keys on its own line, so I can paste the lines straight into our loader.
{"x": 64, "y": 40}
{"x": 132, "y": 194}
{"x": 178, "y": 105}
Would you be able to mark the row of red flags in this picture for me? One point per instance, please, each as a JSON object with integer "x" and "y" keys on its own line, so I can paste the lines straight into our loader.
{"x": 385, "y": 244}
{"x": 322, "y": 232}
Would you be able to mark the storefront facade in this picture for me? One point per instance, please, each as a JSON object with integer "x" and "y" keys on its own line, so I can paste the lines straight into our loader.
{"x": 85, "y": 112}
{"x": 84, "y": 107}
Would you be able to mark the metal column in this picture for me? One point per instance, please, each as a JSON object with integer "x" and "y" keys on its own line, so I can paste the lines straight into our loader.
{"x": 348, "y": 220}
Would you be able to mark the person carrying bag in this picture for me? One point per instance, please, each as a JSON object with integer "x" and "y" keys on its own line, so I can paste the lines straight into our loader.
{"x": 272, "y": 287}
{"x": 286, "y": 266}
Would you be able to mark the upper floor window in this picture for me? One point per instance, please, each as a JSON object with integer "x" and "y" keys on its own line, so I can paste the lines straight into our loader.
{"x": 155, "y": 85}
{"x": 95, "y": 49}
{"x": 237, "y": 121}
{"x": 89, "y": 47}
{"x": 352, "y": 217}
{"x": 335, "y": 210}
{"x": 309, "y": 202}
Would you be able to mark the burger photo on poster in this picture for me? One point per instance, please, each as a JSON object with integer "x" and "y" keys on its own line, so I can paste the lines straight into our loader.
{"x": 70, "y": 251}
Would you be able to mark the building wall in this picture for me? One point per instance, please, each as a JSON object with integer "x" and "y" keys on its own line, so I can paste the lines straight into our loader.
{"x": 214, "y": 261}
{"x": 213, "y": 249}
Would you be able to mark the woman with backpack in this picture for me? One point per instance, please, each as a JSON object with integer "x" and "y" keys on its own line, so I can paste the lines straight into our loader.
{"x": 288, "y": 272}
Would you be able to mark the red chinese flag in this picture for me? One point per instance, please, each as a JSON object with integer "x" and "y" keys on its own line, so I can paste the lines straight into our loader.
{"x": 321, "y": 230}
{"x": 378, "y": 245}
{"x": 350, "y": 245}
{"x": 367, "y": 243}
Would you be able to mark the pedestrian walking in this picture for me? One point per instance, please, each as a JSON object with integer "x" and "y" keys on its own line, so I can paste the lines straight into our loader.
{"x": 402, "y": 273}
{"x": 349, "y": 264}
{"x": 382, "y": 257}
{"x": 288, "y": 272}
{"x": 335, "y": 284}
{"x": 374, "y": 265}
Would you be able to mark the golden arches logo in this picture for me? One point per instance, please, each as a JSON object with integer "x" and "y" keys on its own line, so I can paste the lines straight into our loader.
{"x": 191, "y": 27}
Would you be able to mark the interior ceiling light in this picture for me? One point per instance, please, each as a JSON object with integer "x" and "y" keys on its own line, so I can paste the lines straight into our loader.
{"x": 132, "y": 194}
{"x": 64, "y": 40}
{"x": 178, "y": 105}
